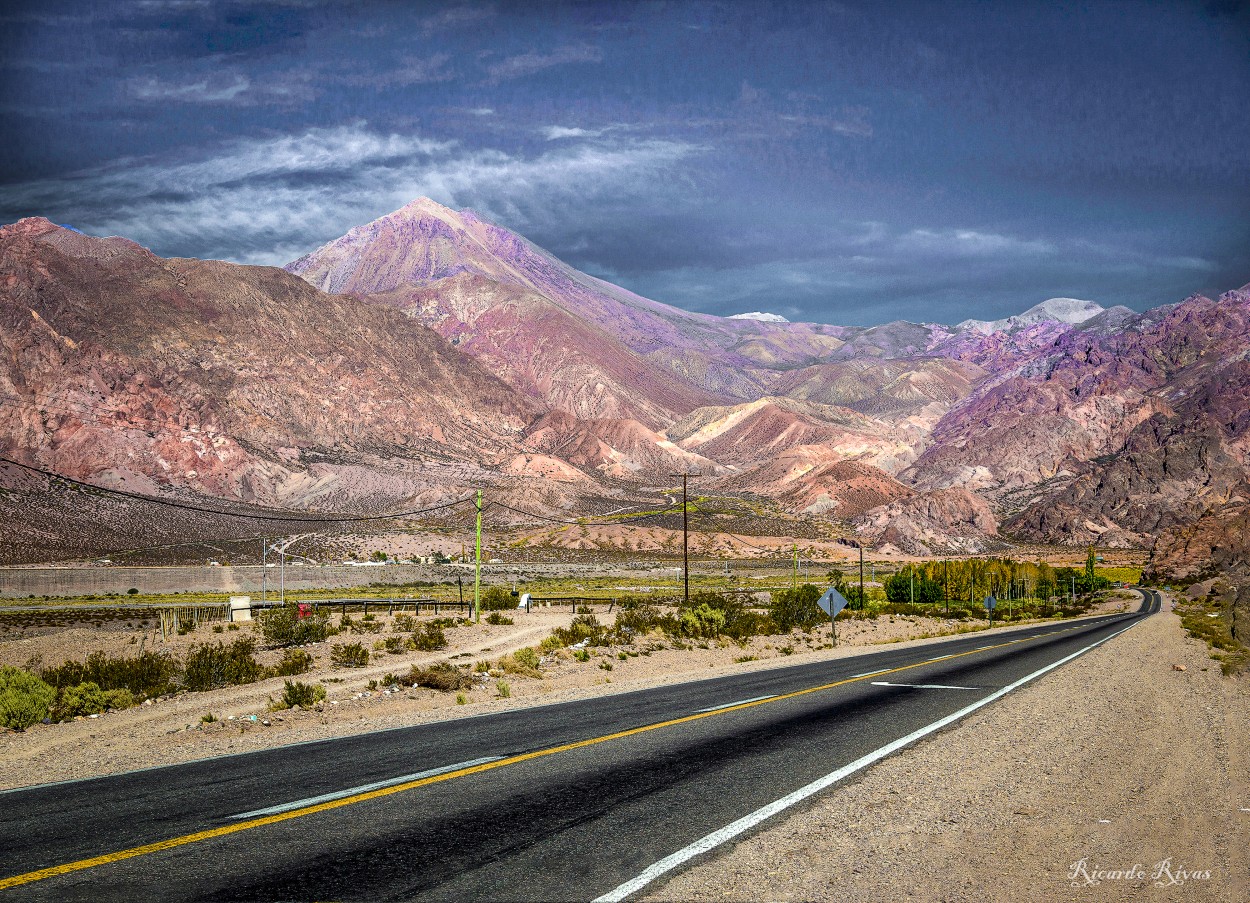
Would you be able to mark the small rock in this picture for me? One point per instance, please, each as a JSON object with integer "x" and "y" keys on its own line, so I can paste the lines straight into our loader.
{"x": 1178, "y": 667}
{"x": 265, "y": 722}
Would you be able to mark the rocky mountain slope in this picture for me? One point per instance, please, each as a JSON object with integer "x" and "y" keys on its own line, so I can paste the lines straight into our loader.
{"x": 431, "y": 350}
{"x": 235, "y": 382}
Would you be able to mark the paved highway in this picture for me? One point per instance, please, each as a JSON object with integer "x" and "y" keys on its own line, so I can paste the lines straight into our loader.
{"x": 574, "y": 801}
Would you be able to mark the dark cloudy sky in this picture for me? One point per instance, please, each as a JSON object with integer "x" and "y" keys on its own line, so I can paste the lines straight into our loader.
{"x": 837, "y": 162}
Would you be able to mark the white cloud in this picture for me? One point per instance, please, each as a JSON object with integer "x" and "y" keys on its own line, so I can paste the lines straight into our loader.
{"x": 204, "y": 90}
{"x": 971, "y": 243}
{"x": 269, "y": 200}
{"x": 530, "y": 63}
{"x": 556, "y": 132}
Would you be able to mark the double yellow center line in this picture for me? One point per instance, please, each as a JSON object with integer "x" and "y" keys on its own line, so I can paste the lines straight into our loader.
{"x": 260, "y": 822}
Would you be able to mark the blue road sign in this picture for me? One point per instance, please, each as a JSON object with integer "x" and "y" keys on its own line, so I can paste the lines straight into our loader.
{"x": 990, "y": 602}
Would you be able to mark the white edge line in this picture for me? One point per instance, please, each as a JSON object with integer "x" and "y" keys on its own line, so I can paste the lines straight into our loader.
{"x": 364, "y": 788}
{"x": 747, "y": 822}
{"x": 730, "y": 705}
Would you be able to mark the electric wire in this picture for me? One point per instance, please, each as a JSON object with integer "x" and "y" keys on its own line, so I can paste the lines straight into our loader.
{"x": 283, "y": 517}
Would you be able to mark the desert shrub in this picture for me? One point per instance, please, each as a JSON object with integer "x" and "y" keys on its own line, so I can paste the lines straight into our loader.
{"x": 496, "y": 618}
{"x": 496, "y": 598}
{"x": 284, "y": 627}
{"x": 294, "y": 661}
{"x": 797, "y": 608}
{"x": 550, "y": 643}
{"x": 583, "y": 627}
{"x": 394, "y": 645}
{"x": 523, "y": 662}
{"x": 703, "y": 621}
{"x": 442, "y": 676}
{"x": 635, "y": 619}
{"x": 89, "y": 699}
{"x": 404, "y": 623}
{"x": 349, "y": 655}
{"x": 581, "y": 655}
{"x": 504, "y": 690}
{"x": 145, "y": 675}
{"x": 710, "y": 615}
{"x": 750, "y": 623}
{"x": 209, "y": 667}
{"x": 429, "y": 637}
{"x": 299, "y": 695}
{"x": 25, "y": 699}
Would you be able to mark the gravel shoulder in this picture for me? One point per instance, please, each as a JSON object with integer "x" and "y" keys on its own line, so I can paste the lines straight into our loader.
{"x": 1116, "y": 761}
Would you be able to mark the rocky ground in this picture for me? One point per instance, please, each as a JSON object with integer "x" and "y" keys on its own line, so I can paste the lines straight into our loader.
{"x": 171, "y": 730}
{"x": 1116, "y": 762}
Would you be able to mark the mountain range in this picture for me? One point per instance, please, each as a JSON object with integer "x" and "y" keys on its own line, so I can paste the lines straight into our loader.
{"x": 432, "y": 350}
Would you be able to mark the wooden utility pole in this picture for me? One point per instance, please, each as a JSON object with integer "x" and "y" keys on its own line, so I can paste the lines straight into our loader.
{"x": 685, "y": 532}
{"x": 477, "y": 574}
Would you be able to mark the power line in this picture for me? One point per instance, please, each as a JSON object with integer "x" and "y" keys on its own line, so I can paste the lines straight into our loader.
{"x": 276, "y": 516}
{"x": 580, "y": 521}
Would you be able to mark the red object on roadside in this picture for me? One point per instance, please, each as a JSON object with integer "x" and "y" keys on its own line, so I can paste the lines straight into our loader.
{"x": 304, "y": 610}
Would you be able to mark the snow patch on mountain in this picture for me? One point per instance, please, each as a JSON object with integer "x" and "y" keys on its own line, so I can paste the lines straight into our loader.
{"x": 1072, "y": 311}
{"x": 761, "y": 316}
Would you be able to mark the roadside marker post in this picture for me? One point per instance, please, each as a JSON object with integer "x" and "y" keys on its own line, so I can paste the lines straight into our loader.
{"x": 989, "y": 603}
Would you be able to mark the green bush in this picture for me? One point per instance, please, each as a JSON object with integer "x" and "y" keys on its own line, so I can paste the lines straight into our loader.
{"x": 429, "y": 637}
{"x": 496, "y": 618}
{"x": 635, "y": 619}
{"x": 299, "y": 695}
{"x": 349, "y": 655}
{"x": 703, "y": 621}
{"x": 793, "y": 608}
{"x": 523, "y": 662}
{"x": 209, "y": 667}
{"x": 89, "y": 699}
{"x": 146, "y": 675}
{"x": 404, "y": 623}
{"x": 284, "y": 627}
{"x": 496, "y": 598}
{"x": 24, "y": 698}
{"x": 583, "y": 627}
{"x": 294, "y": 661}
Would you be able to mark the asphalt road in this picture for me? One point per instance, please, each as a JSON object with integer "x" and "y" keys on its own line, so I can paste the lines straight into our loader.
{"x": 559, "y": 802}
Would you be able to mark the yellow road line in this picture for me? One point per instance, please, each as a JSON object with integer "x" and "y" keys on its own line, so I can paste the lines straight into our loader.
{"x": 224, "y": 830}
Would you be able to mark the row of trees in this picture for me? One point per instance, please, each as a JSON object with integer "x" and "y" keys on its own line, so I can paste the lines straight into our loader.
{"x": 971, "y": 580}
